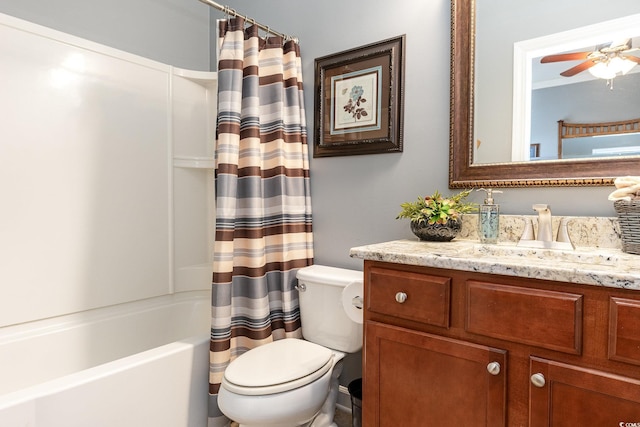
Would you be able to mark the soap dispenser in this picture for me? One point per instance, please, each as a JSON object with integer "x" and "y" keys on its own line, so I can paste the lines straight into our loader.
{"x": 489, "y": 218}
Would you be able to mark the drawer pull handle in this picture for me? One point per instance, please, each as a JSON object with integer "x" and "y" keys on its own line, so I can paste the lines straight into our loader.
{"x": 538, "y": 380}
{"x": 493, "y": 368}
{"x": 401, "y": 297}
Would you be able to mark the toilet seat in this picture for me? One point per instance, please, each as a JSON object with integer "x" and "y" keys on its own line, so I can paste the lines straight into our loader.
{"x": 277, "y": 367}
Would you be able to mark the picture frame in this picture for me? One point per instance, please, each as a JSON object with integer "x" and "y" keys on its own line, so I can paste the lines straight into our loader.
{"x": 359, "y": 106}
{"x": 534, "y": 151}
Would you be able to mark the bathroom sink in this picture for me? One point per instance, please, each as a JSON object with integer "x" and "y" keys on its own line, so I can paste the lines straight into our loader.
{"x": 589, "y": 256}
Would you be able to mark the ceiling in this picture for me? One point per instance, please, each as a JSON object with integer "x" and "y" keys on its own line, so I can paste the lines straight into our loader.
{"x": 548, "y": 75}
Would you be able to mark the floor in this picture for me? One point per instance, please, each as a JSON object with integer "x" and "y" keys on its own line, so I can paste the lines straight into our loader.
{"x": 342, "y": 419}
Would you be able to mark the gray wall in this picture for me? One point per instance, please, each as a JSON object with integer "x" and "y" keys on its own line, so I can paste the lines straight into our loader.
{"x": 174, "y": 32}
{"x": 356, "y": 198}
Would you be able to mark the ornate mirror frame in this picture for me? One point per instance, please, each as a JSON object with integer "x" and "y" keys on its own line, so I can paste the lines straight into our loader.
{"x": 462, "y": 172}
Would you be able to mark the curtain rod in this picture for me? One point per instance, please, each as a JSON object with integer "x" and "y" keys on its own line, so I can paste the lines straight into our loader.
{"x": 229, "y": 11}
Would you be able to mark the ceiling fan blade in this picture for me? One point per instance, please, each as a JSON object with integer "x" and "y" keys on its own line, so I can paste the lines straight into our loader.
{"x": 625, "y": 43}
{"x": 576, "y": 56}
{"x": 578, "y": 69}
{"x": 633, "y": 58}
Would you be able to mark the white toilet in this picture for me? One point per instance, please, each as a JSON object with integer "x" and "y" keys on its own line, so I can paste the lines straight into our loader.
{"x": 292, "y": 382}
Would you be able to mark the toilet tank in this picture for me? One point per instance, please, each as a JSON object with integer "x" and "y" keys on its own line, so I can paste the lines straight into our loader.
{"x": 322, "y": 313}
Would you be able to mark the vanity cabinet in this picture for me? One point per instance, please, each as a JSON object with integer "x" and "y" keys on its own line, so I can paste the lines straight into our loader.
{"x": 408, "y": 366}
{"x": 564, "y": 395}
{"x": 448, "y": 347}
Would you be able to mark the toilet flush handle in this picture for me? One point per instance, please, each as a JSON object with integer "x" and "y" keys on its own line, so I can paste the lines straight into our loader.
{"x": 357, "y": 302}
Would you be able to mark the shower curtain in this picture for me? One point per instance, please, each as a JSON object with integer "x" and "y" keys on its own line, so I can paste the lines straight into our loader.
{"x": 263, "y": 204}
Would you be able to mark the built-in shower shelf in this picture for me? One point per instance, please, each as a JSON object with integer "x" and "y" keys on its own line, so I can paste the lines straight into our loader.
{"x": 203, "y": 78}
{"x": 194, "y": 162}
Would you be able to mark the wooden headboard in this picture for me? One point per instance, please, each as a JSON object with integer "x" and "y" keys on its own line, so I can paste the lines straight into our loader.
{"x": 577, "y": 130}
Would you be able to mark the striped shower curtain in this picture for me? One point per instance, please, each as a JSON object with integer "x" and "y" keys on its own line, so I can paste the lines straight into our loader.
{"x": 263, "y": 204}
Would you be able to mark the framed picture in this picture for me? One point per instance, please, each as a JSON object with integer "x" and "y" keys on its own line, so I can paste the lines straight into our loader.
{"x": 534, "y": 151}
{"x": 358, "y": 100}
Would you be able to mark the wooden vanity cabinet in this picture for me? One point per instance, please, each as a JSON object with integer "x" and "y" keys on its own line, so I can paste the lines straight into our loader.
{"x": 447, "y": 347}
{"x": 564, "y": 395}
{"x": 410, "y": 365}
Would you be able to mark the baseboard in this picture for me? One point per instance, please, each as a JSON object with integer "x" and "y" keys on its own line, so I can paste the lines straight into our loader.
{"x": 344, "y": 399}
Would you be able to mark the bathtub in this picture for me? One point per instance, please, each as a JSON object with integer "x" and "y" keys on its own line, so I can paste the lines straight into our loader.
{"x": 137, "y": 364}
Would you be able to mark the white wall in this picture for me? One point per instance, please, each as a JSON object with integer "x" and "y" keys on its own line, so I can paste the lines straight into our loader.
{"x": 79, "y": 221}
{"x": 87, "y": 177}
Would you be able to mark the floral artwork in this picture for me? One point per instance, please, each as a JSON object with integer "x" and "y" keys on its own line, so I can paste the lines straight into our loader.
{"x": 356, "y": 101}
{"x": 359, "y": 100}
{"x": 355, "y": 105}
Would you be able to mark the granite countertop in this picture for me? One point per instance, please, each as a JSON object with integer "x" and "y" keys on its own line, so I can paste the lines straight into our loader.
{"x": 586, "y": 265}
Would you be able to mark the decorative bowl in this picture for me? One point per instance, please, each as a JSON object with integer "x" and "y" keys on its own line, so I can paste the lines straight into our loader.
{"x": 436, "y": 232}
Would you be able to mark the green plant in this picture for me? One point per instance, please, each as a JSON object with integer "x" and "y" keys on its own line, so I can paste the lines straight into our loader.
{"x": 436, "y": 209}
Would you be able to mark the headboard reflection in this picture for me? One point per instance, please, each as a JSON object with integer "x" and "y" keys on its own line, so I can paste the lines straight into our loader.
{"x": 576, "y": 140}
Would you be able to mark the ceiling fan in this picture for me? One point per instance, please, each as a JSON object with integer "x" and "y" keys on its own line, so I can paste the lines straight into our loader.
{"x": 605, "y": 54}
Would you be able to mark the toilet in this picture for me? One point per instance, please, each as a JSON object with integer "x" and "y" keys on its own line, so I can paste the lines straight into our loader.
{"x": 294, "y": 382}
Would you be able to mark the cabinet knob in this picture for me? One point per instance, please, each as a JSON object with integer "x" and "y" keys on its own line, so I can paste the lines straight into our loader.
{"x": 493, "y": 368}
{"x": 401, "y": 297}
{"x": 538, "y": 380}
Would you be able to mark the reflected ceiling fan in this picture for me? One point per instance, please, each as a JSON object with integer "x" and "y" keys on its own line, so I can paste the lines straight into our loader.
{"x": 606, "y": 61}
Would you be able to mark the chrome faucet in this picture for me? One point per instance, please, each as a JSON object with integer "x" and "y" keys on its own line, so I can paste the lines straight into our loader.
{"x": 545, "y": 231}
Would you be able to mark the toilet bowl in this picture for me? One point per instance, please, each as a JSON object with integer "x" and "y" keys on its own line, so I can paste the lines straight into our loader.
{"x": 293, "y": 382}
{"x": 259, "y": 390}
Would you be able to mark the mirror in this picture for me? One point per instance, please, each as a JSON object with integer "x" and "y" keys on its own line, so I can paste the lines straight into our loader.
{"x": 502, "y": 171}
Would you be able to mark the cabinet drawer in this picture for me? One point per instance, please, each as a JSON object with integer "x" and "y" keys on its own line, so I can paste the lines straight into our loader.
{"x": 542, "y": 318}
{"x": 624, "y": 330}
{"x": 427, "y": 297}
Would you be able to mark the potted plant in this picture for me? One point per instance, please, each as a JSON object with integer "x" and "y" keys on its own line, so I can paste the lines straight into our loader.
{"x": 437, "y": 218}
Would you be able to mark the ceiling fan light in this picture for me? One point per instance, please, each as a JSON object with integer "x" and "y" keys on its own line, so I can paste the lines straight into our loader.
{"x": 602, "y": 71}
{"x": 614, "y": 67}
{"x": 626, "y": 65}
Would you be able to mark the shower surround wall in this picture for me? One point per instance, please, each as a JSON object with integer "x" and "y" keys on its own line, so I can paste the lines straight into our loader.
{"x": 106, "y": 176}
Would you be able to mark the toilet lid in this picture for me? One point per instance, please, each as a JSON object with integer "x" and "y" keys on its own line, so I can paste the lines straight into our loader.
{"x": 278, "y": 366}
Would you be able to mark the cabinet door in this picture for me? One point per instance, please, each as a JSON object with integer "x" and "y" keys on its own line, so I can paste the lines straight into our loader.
{"x": 418, "y": 379}
{"x": 567, "y": 396}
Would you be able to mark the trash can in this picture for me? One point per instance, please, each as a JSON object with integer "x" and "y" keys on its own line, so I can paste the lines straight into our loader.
{"x": 355, "y": 390}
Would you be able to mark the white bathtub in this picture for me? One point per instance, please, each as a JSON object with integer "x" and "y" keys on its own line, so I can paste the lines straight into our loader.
{"x": 138, "y": 364}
